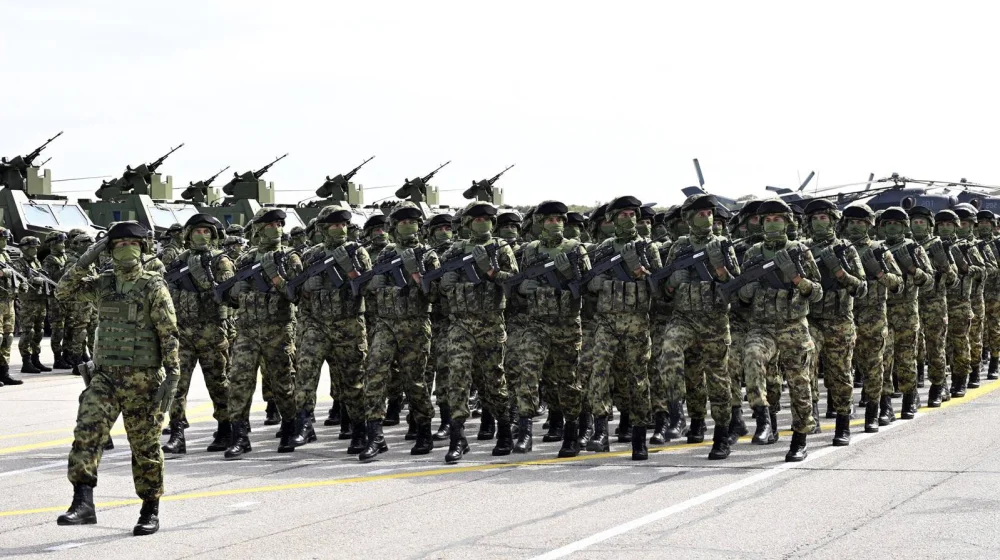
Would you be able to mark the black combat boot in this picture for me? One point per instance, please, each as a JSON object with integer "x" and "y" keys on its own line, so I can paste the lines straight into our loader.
{"x": 599, "y": 442}
{"x": 505, "y": 439}
{"x": 411, "y": 427}
{"x": 239, "y": 443}
{"x": 677, "y": 428}
{"x": 487, "y": 426}
{"x": 974, "y": 377}
{"x": 859, "y": 379}
{"x": 842, "y": 433}
{"x": 425, "y": 440}
{"x": 375, "y": 442}
{"x": 934, "y": 396}
{"x": 797, "y": 451}
{"x": 774, "y": 422}
{"x": 958, "y": 386}
{"x": 176, "y": 444}
{"x": 697, "y": 432}
{"x": 896, "y": 393}
{"x": 920, "y": 375}
{"x": 5, "y": 378}
{"x": 991, "y": 373}
{"x": 737, "y": 426}
{"x": 392, "y": 412}
{"x": 334, "y": 417}
{"x": 81, "y": 509}
{"x": 764, "y": 434}
{"x": 586, "y": 429}
{"x": 358, "y": 443}
{"x": 37, "y": 362}
{"x": 27, "y": 366}
{"x": 285, "y": 445}
{"x": 458, "y": 444}
{"x": 272, "y": 416}
{"x": 659, "y": 427}
{"x": 524, "y": 439}
{"x": 149, "y": 518}
{"x": 346, "y": 426}
{"x": 110, "y": 444}
{"x": 816, "y": 429}
{"x": 59, "y": 361}
{"x": 830, "y": 412}
{"x": 445, "y": 429}
{"x": 638, "y": 439}
{"x": 571, "y": 443}
{"x": 720, "y": 443}
{"x": 871, "y": 417}
{"x": 223, "y": 435}
{"x": 909, "y": 408}
{"x": 556, "y": 424}
{"x": 304, "y": 431}
{"x": 625, "y": 428}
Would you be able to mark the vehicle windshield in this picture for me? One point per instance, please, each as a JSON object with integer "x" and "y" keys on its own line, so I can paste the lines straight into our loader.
{"x": 70, "y": 216}
{"x": 184, "y": 213}
{"x": 39, "y": 215}
{"x": 291, "y": 220}
{"x": 162, "y": 217}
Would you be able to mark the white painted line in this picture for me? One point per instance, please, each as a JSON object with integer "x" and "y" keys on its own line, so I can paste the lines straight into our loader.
{"x": 703, "y": 498}
{"x": 53, "y": 465}
{"x": 242, "y": 504}
{"x": 65, "y": 546}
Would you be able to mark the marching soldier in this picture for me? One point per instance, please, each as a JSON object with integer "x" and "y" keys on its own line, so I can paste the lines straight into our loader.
{"x": 32, "y": 305}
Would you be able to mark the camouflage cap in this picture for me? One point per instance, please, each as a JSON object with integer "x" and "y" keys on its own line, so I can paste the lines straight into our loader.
{"x": 965, "y": 211}
{"x": 859, "y": 211}
{"x": 405, "y": 210}
{"x": 29, "y": 241}
{"x": 333, "y": 214}
{"x": 297, "y": 230}
{"x": 55, "y": 237}
{"x": 894, "y": 213}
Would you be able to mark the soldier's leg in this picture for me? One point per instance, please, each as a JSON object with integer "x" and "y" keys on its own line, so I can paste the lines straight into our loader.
{"x": 657, "y": 377}
{"x": 796, "y": 353}
{"x": 889, "y": 360}
{"x": 188, "y": 355}
{"x": 488, "y": 368}
{"x": 278, "y": 349}
{"x": 461, "y": 350}
{"x": 57, "y": 322}
{"x": 7, "y": 318}
{"x": 99, "y": 408}
{"x": 607, "y": 341}
{"x": 384, "y": 347}
{"x": 836, "y": 342}
{"x": 678, "y": 338}
{"x": 439, "y": 357}
{"x": 817, "y": 335}
{"x": 565, "y": 343}
{"x": 213, "y": 353}
{"x": 992, "y": 336}
{"x": 585, "y": 370}
{"x": 934, "y": 323}
{"x": 712, "y": 349}
{"x": 142, "y": 424}
{"x": 976, "y": 330}
{"x": 412, "y": 359}
{"x": 243, "y": 374}
{"x": 734, "y": 365}
{"x": 309, "y": 359}
{"x": 636, "y": 352}
{"x": 959, "y": 324}
{"x": 526, "y": 364}
{"x": 904, "y": 353}
{"x": 868, "y": 353}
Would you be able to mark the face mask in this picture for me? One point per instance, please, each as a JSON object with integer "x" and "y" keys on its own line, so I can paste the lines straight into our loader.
{"x": 659, "y": 232}
{"x": 643, "y": 229}
{"x": 380, "y": 238}
{"x": 271, "y": 232}
{"x": 920, "y": 229}
{"x": 625, "y": 225}
{"x": 701, "y": 224}
{"x": 407, "y": 230}
{"x": 336, "y": 234}
{"x": 754, "y": 229}
{"x": 608, "y": 228}
{"x": 774, "y": 227}
{"x": 894, "y": 231}
{"x": 856, "y": 232}
{"x": 571, "y": 232}
{"x": 821, "y": 230}
{"x": 554, "y": 229}
{"x": 984, "y": 230}
{"x": 58, "y": 248}
{"x": 30, "y": 252}
{"x": 507, "y": 233}
{"x": 442, "y": 236}
{"x": 126, "y": 255}
{"x": 481, "y": 227}
{"x": 200, "y": 239}
{"x": 946, "y": 229}
{"x": 964, "y": 230}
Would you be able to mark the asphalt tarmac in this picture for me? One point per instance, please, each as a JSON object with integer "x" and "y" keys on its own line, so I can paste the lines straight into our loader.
{"x": 923, "y": 488}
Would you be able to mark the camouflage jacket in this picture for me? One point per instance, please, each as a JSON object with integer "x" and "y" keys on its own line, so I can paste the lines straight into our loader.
{"x": 771, "y": 305}
{"x": 319, "y": 301}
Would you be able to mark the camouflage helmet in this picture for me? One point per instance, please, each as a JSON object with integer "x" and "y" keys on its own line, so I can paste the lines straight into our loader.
{"x": 697, "y": 202}
{"x": 333, "y": 214}
{"x": 622, "y": 203}
{"x": 478, "y": 209}
{"x": 894, "y": 213}
{"x": 233, "y": 240}
{"x": 822, "y": 206}
{"x": 405, "y": 210}
{"x": 297, "y": 230}
{"x": 174, "y": 229}
{"x": 234, "y": 229}
{"x": 6, "y": 234}
{"x": 29, "y": 241}
{"x": 75, "y": 231}
{"x": 202, "y": 221}
{"x": 921, "y": 212}
{"x": 860, "y": 211}
{"x": 965, "y": 212}
{"x": 55, "y": 237}
{"x": 81, "y": 239}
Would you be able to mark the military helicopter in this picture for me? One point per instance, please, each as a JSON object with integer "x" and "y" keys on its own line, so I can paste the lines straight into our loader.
{"x": 729, "y": 203}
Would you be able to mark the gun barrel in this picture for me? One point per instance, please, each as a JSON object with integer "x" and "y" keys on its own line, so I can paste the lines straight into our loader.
{"x": 354, "y": 171}
{"x": 430, "y": 175}
{"x": 214, "y": 177}
{"x": 34, "y": 153}
{"x": 156, "y": 164}
{"x": 497, "y": 176}
{"x": 257, "y": 174}
{"x": 697, "y": 169}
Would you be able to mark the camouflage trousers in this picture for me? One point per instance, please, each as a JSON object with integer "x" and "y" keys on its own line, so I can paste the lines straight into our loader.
{"x": 32, "y": 325}
{"x": 109, "y": 394}
{"x": 57, "y": 323}
{"x": 791, "y": 347}
{"x": 7, "y": 323}
{"x": 81, "y": 327}
{"x": 869, "y": 352}
{"x": 958, "y": 347}
{"x": 738, "y": 334}
{"x": 933, "y": 333}
{"x": 271, "y": 347}
{"x": 904, "y": 321}
{"x": 518, "y": 342}
{"x": 584, "y": 372}
{"x": 476, "y": 352}
{"x": 663, "y": 388}
{"x": 991, "y": 337}
{"x": 976, "y": 331}
{"x": 394, "y": 388}
{"x": 549, "y": 353}
{"x": 834, "y": 340}
{"x": 622, "y": 339}
{"x": 403, "y": 344}
{"x": 697, "y": 349}
{"x": 207, "y": 344}
{"x": 344, "y": 346}
{"x": 437, "y": 362}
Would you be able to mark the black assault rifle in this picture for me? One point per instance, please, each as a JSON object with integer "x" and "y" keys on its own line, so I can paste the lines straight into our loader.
{"x": 465, "y": 262}
{"x": 322, "y": 265}
{"x": 391, "y": 264}
{"x": 605, "y": 260}
{"x": 689, "y": 259}
{"x": 765, "y": 271}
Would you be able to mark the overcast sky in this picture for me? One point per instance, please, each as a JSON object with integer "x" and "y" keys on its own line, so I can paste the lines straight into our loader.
{"x": 589, "y": 99}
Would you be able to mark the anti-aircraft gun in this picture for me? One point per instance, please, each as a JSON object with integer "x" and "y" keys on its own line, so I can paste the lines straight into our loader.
{"x": 198, "y": 192}
{"x": 16, "y": 171}
{"x": 338, "y": 190}
{"x": 141, "y": 180}
{"x": 416, "y": 190}
{"x": 484, "y": 191}
{"x": 247, "y": 193}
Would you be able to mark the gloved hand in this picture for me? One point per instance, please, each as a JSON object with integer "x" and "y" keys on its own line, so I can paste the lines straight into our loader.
{"x": 377, "y": 282}
{"x": 449, "y": 279}
{"x": 165, "y": 393}
{"x": 92, "y": 253}
{"x": 37, "y": 281}
{"x": 631, "y": 257}
{"x": 903, "y": 259}
{"x": 528, "y": 287}
{"x": 677, "y": 278}
{"x": 482, "y": 258}
{"x": 871, "y": 264}
{"x": 785, "y": 263}
{"x": 830, "y": 260}
{"x": 805, "y": 286}
{"x": 410, "y": 262}
{"x": 715, "y": 256}
{"x": 563, "y": 265}
{"x": 749, "y": 290}
{"x": 344, "y": 260}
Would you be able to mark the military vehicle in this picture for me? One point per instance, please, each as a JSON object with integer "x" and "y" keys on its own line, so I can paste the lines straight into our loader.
{"x": 244, "y": 194}
{"x": 484, "y": 190}
{"x": 27, "y": 205}
{"x": 338, "y": 190}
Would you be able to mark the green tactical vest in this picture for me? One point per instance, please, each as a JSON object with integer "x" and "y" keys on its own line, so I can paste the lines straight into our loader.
{"x": 200, "y": 306}
{"x": 125, "y": 333}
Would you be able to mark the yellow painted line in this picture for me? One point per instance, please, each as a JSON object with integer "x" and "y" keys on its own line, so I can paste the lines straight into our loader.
{"x": 970, "y": 396}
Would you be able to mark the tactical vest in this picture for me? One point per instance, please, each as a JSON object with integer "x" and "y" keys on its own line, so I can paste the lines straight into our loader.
{"x": 875, "y": 299}
{"x": 34, "y": 292}
{"x": 257, "y": 307}
{"x": 910, "y": 291}
{"x": 617, "y": 296}
{"x": 837, "y": 302}
{"x": 546, "y": 302}
{"x": 696, "y": 296}
{"x": 320, "y": 302}
{"x": 935, "y": 289}
{"x": 200, "y": 307}
{"x": 659, "y": 305}
{"x": 8, "y": 285}
{"x": 963, "y": 291}
{"x": 465, "y": 298}
{"x": 775, "y": 306}
{"x": 125, "y": 332}
{"x": 408, "y": 302}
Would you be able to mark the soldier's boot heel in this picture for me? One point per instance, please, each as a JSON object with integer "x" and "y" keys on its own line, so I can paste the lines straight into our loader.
{"x": 59, "y": 362}
{"x": 425, "y": 440}
{"x": 110, "y": 444}
{"x": 458, "y": 444}
{"x": 304, "y": 432}
{"x": 737, "y": 426}
{"x": 886, "y": 415}
{"x": 797, "y": 451}
{"x": 37, "y": 362}
{"x": 991, "y": 372}
{"x": 920, "y": 375}
{"x": 775, "y": 433}
{"x": 487, "y": 426}
{"x": 909, "y": 408}
{"x": 358, "y": 443}
{"x": 223, "y": 435}
{"x": 27, "y": 366}
{"x": 346, "y": 426}
{"x": 697, "y": 432}
{"x": 6, "y": 379}
{"x": 392, "y": 411}
{"x": 659, "y": 427}
{"x": 524, "y": 437}
{"x": 287, "y": 433}
{"x": 334, "y": 417}
{"x": 586, "y": 428}
{"x": 934, "y": 396}
{"x": 763, "y": 435}
{"x": 375, "y": 442}
{"x": 720, "y": 443}
{"x": 176, "y": 444}
{"x": 678, "y": 424}
{"x": 817, "y": 429}
{"x": 958, "y": 386}
{"x": 830, "y": 411}
{"x": 871, "y": 417}
{"x": 571, "y": 444}
{"x": 81, "y": 509}
{"x": 842, "y": 433}
{"x": 556, "y": 425}
{"x": 599, "y": 443}
{"x": 639, "y": 450}
{"x": 505, "y": 438}
{"x": 974, "y": 377}
{"x": 444, "y": 431}
{"x": 625, "y": 428}
{"x": 271, "y": 415}
{"x": 149, "y": 518}
{"x": 411, "y": 428}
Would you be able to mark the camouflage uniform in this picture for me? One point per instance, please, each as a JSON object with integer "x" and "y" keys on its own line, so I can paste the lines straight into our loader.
{"x": 174, "y": 247}
{"x": 54, "y": 265}
{"x": 991, "y": 336}
{"x": 440, "y": 235}
{"x": 666, "y": 392}
{"x": 971, "y": 268}
{"x": 81, "y": 321}
{"x": 8, "y": 292}
{"x": 137, "y": 341}
{"x": 588, "y": 322}
{"x": 978, "y": 332}
{"x": 32, "y": 302}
